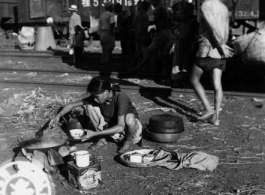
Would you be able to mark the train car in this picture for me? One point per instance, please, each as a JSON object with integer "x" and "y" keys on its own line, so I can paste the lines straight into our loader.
{"x": 245, "y": 14}
{"x": 8, "y": 13}
{"x": 36, "y": 11}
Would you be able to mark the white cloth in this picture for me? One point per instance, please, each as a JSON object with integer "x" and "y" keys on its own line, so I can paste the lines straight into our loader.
{"x": 196, "y": 160}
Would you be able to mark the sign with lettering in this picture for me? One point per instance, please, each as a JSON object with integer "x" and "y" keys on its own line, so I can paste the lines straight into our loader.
{"x": 96, "y": 3}
{"x": 245, "y": 9}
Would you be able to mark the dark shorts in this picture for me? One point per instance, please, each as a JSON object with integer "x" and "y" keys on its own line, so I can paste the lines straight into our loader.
{"x": 208, "y": 64}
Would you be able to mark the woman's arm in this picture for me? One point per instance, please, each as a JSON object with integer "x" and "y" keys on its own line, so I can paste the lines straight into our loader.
{"x": 69, "y": 107}
{"x": 119, "y": 128}
{"x": 65, "y": 110}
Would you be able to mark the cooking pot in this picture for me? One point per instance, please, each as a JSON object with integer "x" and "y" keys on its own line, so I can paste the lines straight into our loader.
{"x": 161, "y": 137}
{"x": 166, "y": 124}
{"x": 42, "y": 144}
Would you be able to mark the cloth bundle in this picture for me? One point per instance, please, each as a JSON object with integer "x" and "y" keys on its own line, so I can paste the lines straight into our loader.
{"x": 197, "y": 160}
{"x": 251, "y": 46}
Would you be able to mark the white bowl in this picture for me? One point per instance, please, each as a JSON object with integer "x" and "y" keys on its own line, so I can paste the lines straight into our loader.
{"x": 77, "y": 133}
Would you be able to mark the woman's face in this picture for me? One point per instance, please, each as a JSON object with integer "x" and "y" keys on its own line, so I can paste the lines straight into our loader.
{"x": 101, "y": 98}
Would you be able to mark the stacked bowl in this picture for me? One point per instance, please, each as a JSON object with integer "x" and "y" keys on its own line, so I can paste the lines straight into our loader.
{"x": 164, "y": 128}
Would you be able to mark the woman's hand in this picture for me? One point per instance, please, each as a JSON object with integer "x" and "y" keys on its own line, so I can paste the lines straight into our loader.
{"x": 225, "y": 51}
{"x": 54, "y": 122}
{"x": 89, "y": 135}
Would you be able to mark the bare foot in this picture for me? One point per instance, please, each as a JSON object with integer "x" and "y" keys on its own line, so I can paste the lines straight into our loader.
{"x": 214, "y": 121}
{"x": 99, "y": 144}
{"x": 125, "y": 148}
{"x": 206, "y": 115}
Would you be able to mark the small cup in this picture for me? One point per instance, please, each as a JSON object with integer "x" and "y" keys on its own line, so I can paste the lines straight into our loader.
{"x": 77, "y": 133}
{"x": 82, "y": 158}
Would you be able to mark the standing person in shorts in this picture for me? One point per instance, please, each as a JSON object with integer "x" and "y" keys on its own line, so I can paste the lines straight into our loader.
{"x": 111, "y": 113}
{"x": 211, "y": 55}
{"x": 106, "y": 32}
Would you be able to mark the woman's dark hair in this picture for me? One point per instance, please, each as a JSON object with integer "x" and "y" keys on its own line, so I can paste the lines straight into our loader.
{"x": 101, "y": 84}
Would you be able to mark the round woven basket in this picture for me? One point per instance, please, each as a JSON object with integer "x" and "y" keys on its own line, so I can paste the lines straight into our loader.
{"x": 164, "y": 158}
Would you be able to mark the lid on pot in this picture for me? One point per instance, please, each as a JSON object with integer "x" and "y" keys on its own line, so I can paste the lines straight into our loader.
{"x": 166, "y": 123}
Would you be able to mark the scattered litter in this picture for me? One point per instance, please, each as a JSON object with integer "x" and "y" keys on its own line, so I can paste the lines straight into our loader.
{"x": 34, "y": 107}
{"x": 76, "y": 78}
{"x": 168, "y": 109}
{"x": 64, "y": 75}
{"x": 258, "y": 100}
{"x": 32, "y": 74}
{"x": 258, "y": 103}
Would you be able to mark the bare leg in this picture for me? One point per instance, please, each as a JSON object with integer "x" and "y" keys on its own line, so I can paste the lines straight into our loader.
{"x": 95, "y": 117}
{"x": 216, "y": 76}
{"x": 130, "y": 130}
{"x": 195, "y": 80}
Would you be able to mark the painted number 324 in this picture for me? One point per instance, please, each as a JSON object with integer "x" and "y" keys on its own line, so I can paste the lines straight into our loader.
{"x": 253, "y": 14}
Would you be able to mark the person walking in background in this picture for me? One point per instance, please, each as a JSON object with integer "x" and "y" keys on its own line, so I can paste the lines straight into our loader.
{"x": 107, "y": 39}
{"x": 131, "y": 32}
{"x": 140, "y": 26}
{"x": 186, "y": 33}
{"x": 122, "y": 28}
{"x": 78, "y": 45}
{"x": 75, "y": 19}
{"x": 161, "y": 41}
{"x": 211, "y": 55}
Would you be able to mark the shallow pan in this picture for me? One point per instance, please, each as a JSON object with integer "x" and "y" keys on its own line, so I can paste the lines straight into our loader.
{"x": 42, "y": 144}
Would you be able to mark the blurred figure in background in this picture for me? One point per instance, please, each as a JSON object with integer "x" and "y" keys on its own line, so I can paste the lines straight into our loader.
{"x": 75, "y": 19}
{"x": 131, "y": 33}
{"x": 106, "y": 32}
{"x": 122, "y": 28}
{"x": 160, "y": 44}
{"x": 186, "y": 34}
{"x": 140, "y": 26}
{"x": 78, "y": 46}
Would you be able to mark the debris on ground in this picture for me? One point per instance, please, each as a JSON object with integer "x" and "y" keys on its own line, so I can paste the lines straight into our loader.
{"x": 35, "y": 108}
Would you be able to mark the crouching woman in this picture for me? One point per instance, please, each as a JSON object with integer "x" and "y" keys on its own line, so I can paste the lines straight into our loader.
{"x": 111, "y": 113}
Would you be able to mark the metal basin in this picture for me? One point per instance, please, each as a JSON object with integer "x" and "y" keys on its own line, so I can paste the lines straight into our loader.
{"x": 42, "y": 144}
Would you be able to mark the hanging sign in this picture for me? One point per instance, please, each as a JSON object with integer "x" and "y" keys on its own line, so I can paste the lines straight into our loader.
{"x": 96, "y": 3}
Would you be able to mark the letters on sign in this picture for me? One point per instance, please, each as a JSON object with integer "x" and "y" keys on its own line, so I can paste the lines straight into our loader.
{"x": 96, "y": 3}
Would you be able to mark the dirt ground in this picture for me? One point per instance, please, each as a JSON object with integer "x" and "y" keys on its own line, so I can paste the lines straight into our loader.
{"x": 239, "y": 143}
